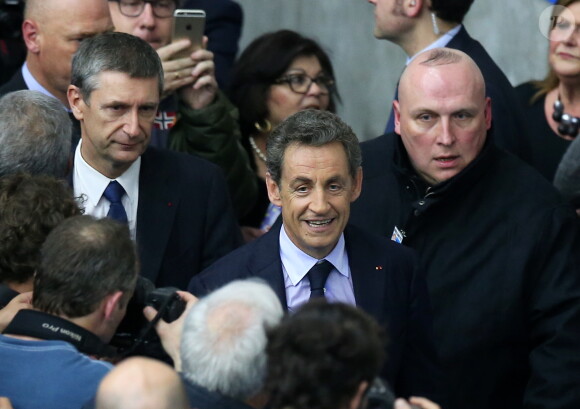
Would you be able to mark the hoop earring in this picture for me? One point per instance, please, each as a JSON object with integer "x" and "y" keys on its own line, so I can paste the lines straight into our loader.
{"x": 264, "y": 127}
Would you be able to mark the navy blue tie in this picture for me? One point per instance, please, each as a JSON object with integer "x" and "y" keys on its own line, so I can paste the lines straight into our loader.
{"x": 317, "y": 276}
{"x": 114, "y": 193}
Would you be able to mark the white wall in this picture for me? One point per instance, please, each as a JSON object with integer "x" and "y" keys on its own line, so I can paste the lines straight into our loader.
{"x": 368, "y": 69}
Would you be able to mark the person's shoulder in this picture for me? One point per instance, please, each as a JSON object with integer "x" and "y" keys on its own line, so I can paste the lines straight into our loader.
{"x": 525, "y": 91}
{"x": 232, "y": 266}
{"x": 520, "y": 182}
{"x": 377, "y": 154}
{"x": 374, "y": 244}
{"x": 168, "y": 160}
{"x": 16, "y": 83}
{"x": 226, "y": 269}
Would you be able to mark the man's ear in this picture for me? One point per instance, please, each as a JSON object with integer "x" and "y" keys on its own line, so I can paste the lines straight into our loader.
{"x": 488, "y": 116}
{"x": 357, "y": 187}
{"x": 397, "y": 113}
{"x": 112, "y": 303}
{"x": 75, "y": 100}
{"x": 273, "y": 190}
{"x": 413, "y": 7}
{"x": 30, "y": 34}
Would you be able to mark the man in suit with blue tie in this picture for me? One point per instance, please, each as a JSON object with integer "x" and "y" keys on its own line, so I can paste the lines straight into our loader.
{"x": 176, "y": 205}
{"x": 314, "y": 173}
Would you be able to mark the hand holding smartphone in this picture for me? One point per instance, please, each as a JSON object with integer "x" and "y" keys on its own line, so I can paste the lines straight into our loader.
{"x": 188, "y": 24}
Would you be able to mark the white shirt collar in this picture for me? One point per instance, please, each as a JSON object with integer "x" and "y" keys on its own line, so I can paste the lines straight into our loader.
{"x": 297, "y": 263}
{"x": 96, "y": 182}
{"x": 34, "y": 85}
{"x": 440, "y": 42}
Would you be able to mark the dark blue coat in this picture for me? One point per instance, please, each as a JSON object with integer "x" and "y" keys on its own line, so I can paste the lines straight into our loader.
{"x": 387, "y": 285}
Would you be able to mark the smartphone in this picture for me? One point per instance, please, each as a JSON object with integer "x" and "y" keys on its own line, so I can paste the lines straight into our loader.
{"x": 188, "y": 24}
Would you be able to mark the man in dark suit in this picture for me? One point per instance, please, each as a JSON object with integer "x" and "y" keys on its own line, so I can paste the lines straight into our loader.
{"x": 314, "y": 174}
{"x": 193, "y": 115}
{"x": 418, "y": 25}
{"x": 176, "y": 206}
{"x": 499, "y": 247}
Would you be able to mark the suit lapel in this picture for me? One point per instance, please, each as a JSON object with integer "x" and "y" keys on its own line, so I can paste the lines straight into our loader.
{"x": 368, "y": 273}
{"x": 158, "y": 201}
{"x": 267, "y": 265}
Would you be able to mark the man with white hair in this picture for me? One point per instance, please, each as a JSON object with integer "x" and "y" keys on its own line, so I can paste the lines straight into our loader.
{"x": 223, "y": 345}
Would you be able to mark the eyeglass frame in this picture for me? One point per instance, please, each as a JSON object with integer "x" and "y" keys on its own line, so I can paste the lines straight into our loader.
{"x": 555, "y": 25}
{"x": 144, "y": 3}
{"x": 286, "y": 80}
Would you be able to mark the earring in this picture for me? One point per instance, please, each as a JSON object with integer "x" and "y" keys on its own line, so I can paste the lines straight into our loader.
{"x": 263, "y": 128}
{"x": 434, "y": 22}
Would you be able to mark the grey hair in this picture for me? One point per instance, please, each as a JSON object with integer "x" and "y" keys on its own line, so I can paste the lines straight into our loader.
{"x": 35, "y": 134}
{"x": 116, "y": 52}
{"x": 223, "y": 345}
{"x": 312, "y": 128}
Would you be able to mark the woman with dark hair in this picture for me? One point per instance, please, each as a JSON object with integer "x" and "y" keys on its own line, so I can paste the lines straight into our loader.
{"x": 277, "y": 75}
{"x": 552, "y": 105}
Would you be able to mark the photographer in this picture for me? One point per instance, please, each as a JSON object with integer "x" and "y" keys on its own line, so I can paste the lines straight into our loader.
{"x": 86, "y": 276}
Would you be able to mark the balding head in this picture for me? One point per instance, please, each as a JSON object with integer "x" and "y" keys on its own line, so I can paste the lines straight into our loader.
{"x": 53, "y": 30}
{"x": 141, "y": 383}
{"x": 442, "y": 113}
{"x": 441, "y": 63}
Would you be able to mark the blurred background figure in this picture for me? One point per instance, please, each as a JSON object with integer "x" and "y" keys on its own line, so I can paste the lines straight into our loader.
{"x": 12, "y": 48}
{"x": 567, "y": 178}
{"x": 30, "y": 207}
{"x": 35, "y": 135}
{"x": 223, "y": 28}
{"x": 552, "y": 104}
{"x": 141, "y": 383}
{"x": 277, "y": 75}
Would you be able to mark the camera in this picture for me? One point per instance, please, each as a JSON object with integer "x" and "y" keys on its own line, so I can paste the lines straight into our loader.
{"x": 380, "y": 395}
{"x": 135, "y": 335}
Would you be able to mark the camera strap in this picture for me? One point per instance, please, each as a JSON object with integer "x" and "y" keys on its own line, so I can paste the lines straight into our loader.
{"x": 40, "y": 325}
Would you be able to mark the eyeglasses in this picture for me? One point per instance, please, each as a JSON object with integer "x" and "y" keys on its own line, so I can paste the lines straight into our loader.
{"x": 300, "y": 83}
{"x": 562, "y": 28}
{"x": 134, "y": 8}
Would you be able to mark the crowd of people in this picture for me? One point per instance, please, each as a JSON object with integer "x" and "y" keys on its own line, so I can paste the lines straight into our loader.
{"x": 205, "y": 232}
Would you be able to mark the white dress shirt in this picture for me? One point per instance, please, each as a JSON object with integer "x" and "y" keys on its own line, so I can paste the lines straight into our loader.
{"x": 296, "y": 264}
{"x": 89, "y": 186}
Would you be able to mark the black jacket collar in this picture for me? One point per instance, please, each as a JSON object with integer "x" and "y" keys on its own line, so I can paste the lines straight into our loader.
{"x": 453, "y": 186}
